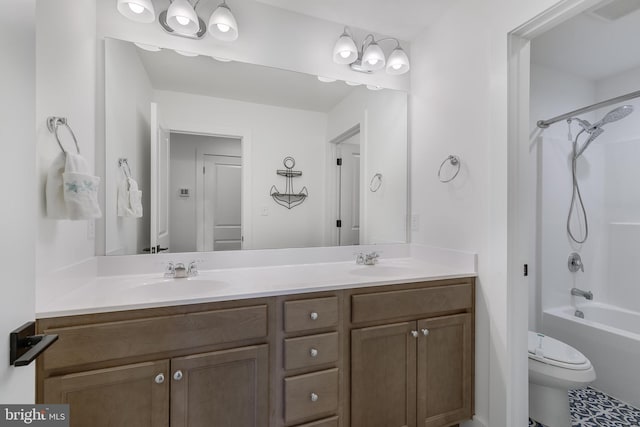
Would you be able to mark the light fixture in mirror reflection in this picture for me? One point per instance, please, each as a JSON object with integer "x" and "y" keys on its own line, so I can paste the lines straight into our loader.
{"x": 202, "y": 138}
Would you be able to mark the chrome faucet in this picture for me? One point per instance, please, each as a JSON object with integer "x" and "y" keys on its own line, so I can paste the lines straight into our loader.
{"x": 179, "y": 271}
{"x": 367, "y": 259}
{"x": 580, "y": 293}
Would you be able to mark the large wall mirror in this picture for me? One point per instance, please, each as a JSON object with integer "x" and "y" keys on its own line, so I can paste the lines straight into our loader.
{"x": 206, "y": 142}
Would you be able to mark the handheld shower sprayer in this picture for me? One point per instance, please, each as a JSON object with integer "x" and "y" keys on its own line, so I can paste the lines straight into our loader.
{"x": 594, "y": 131}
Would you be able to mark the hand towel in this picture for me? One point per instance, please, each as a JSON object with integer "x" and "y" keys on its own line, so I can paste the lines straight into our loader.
{"x": 129, "y": 199}
{"x": 54, "y": 193}
{"x": 80, "y": 189}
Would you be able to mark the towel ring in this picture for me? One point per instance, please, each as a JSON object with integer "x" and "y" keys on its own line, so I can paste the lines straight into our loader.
{"x": 376, "y": 182}
{"x": 53, "y": 123}
{"x": 454, "y": 161}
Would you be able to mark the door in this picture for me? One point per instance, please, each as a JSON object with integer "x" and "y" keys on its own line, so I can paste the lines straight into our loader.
{"x": 160, "y": 157}
{"x": 383, "y": 376}
{"x": 228, "y": 388}
{"x": 18, "y": 217}
{"x": 445, "y": 370}
{"x": 131, "y": 395}
{"x": 222, "y": 195}
{"x": 349, "y": 191}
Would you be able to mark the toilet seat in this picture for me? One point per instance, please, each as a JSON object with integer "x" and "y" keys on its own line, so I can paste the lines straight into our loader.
{"x": 550, "y": 351}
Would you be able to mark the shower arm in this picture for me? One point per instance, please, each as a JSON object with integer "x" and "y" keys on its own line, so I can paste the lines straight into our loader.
{"x": 543, "y": 124}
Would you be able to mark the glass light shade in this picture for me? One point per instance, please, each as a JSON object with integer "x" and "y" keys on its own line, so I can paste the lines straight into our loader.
{"x": 326, "y": 79}
{"x": 148, "y": 47}
{"x": 373, "y": 57}
{"x": 137, "y": 10}
{"x": 185, "y": 53}
{"x": 222, "y": 24}
{"x": 182, "y": 17}
{"x": 345, "y": 50}
{"x": 221, "y": 59}
{"x": 352, "y": 83}
{"x": 374, "y": 87}
{"x": 398, "y": 62}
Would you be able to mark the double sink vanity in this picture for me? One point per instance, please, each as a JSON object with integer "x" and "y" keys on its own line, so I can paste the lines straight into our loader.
{"x": 321, "y": 341}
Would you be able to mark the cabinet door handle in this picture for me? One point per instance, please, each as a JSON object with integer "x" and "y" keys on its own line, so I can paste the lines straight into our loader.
{"x": 177, "y": 375}
{"x": 425, "y": 332}
{"x": 159, "y": 379}
{"x": 313, "y": 352}
{"x": 314, "y": 397}
{"x": 414, "y": 334}
{"x": 314, "y": 315}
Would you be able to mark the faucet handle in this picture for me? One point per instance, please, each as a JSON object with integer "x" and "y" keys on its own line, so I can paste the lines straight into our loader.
{"x": 170, "y": 270}
{"x": 360, "y": 258}
{"x": 192, "y": 270}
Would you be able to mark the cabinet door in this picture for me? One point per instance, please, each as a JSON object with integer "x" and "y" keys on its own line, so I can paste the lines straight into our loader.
{"x": 383, "y": 376}
{"x": 445, "y": 370}
{"x": 228, "y": 388}
{"x": 131, "y": 395}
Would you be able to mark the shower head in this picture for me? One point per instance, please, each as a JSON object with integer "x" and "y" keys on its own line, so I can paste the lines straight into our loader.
{"x": 615, "y": 115}
{"x": 595, "y": 130}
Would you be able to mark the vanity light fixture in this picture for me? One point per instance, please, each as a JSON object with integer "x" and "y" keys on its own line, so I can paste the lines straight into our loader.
{"x": 148, "y": 47}
{"x": 370, "y": 57}
{"x": 374, "y": 87}
{"x": 221, "y": 59}
{"x": 181, "y": 18}
{"x": 326, "y": 79}
{"x": 185, "y": 53}
{"x": 352, "y": 83}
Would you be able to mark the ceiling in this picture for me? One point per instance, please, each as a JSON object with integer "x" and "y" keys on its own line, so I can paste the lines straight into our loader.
{"x": 590, "y": 46}
{"x": 403, "y": 19}
{"x": 206, "y": 76}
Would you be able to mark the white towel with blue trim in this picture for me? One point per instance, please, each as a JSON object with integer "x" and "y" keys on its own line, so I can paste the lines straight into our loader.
{"x": 129, "y": 199}
{"x": 80, "y": 189}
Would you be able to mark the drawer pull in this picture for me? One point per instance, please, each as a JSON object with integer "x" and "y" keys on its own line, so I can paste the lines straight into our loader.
{"x": 177, "y": 375}
{"x": 313, "y": 352}
{"x": 425, "y": 332}
{"x": 159, "y": 379}
{"x": 314, "y": 397}
{"x": 414, "y": 334}
{"x": 314, "y": 315}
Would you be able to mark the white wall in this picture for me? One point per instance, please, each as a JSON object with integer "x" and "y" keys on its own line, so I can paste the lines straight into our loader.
{"x": 65, "y": 86}
{"x": 382, "y": 116}
{"x": 459, "y": 102}
{"x": 620, "y": 145}
{"x": 18, "y": 215}
{"x": 128, "y": 94}
{"x": 184, "y": 152}
{"x": 267, "y": 36}
{"x": 555, "y": 92}
{"x": 275, "y": 133}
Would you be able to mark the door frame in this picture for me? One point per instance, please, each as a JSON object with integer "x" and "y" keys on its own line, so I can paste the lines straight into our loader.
{"x": 520, "y": 178}
{"x": 244, "y": 136}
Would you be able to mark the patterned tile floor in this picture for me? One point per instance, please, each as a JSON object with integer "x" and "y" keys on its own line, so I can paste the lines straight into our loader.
{"x": 593, "y": 408}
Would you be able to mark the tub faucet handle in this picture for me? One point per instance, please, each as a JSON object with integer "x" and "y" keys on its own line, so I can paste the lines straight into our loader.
{"x": 575, "y": 263}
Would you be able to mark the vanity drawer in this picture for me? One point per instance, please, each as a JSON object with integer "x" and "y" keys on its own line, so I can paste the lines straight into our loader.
{"x": 313, "y": 350}
{"x": 310, "y": 395}
{"x": 99, "y": 342}
{"x": 327, "y": 422}
{"x": 315, "y": 313}
{"x": 411, "y": 302}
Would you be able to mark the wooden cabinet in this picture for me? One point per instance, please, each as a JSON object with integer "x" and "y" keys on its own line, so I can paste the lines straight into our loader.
{"x": 384, "y": 356}
{"x": 130, "y": 395}
{"x": 413, "y": 373}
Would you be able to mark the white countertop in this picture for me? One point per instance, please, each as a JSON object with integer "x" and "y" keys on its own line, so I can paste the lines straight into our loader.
{"x": 105, "y": 293}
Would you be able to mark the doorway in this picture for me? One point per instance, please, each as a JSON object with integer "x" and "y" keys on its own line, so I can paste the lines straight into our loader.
{"x": 347, "y": 196}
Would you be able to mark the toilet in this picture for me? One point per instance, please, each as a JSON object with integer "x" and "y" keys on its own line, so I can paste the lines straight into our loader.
{"x": 554, "y": 369}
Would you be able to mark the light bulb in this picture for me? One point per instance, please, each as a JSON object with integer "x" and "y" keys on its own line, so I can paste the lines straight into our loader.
{"x": 136, "y": 8}
{"x": 372, "y": 61}
{"x": 182, "y": 20}
{"x": 345, "y": 54}
{"x": 396, "y": 66}
{"x": 224, "y": 28}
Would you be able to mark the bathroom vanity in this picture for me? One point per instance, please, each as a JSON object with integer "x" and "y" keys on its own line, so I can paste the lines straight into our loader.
{"x": 387, "y": 349}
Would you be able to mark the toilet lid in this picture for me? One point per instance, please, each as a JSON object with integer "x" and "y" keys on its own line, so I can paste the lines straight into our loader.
{"x": 549, "y": 350}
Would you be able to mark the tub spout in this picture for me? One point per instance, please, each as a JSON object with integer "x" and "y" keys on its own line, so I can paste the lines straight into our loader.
{"x": 580, "y": 293}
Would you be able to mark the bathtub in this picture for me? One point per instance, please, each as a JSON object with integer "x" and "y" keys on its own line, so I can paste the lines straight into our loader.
{"x": 610, "y": 337}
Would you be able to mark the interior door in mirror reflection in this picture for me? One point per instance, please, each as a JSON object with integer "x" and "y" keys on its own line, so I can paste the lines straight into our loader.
{"x": 160, "y": 143}
{"x": 349, "y": 191}
{"x": 222, "y": 191}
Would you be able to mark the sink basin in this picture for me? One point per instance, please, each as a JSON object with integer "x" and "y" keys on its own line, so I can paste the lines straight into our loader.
{"x": 187, "y": 287}
{"x": 382, "y": 271}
